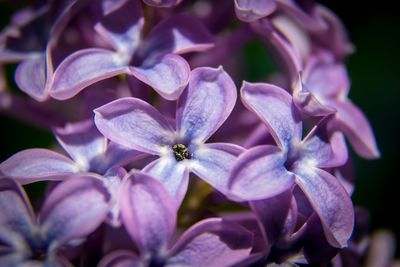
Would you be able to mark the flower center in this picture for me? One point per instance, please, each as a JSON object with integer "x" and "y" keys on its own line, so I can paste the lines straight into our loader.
{"x": 181, "y": 152}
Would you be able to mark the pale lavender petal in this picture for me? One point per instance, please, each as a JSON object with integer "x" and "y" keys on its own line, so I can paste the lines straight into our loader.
{"x": 177, "y": 34}
{"x": 167, "y": 74}
{"x": 351, "y": 120}
{"x": 84, "y": 68}
{"x": 74, "y": 209}
{"x": 162, "y": 3}
{"x": 17, "y": 219}
{"x": 35, "y": 162}
{"x": 330, "y": 201}
{"x": 172, "y": 174}
{"x": 148, "y": 213}
{"x": 112, "y": 180}
{"x": 274, "y": 106}
{"x": 82, "y": 141}
{"x": 30, "y": 77}
{"x": 117, "y": 155}
{"x": 252, "y": 10}
{"x": 122, "y": 24}
{"x": 205, "y": 105}
{"x": 134, "y": 123}
{"x": 211, "y": 242}
{"x": 121, "y": 258}
{"x": 260, "y": 173}
{"x": 213, "y": 163}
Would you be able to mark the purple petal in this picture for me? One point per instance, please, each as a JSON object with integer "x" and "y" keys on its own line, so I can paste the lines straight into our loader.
{"x": 357, "y": 129}
{"x": 213, "y": 162}
{"x": 330, "y": 201}
{"x": 134, "y": 123}
{"x": 260, "y": 173}
{"x": 162, "y": 3}
{"x": 274, "y": 106}
{"x": 205, "y": 105}
{"x": 212, "y": 242}
{"x": 74, "y": 209}
{"x": 17, "y": 219}
{"x": 33, "y": 163}
{"x": 82, "y": 141}
{"x": 30, "y": 77}
{"x": 84, "y": 68}
{"x": 172, "y": 174}
{"x": 148, "y": 213}
{"x": 120, "y": 258}
{"x": 167, "y": 74}
{"x": 177, "y": 34}
{"x": 252, "y": 10}
{"x": 122, "y": 24}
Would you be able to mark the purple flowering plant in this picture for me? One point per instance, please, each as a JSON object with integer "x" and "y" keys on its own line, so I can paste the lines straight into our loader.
{"x": 146, "y": 97}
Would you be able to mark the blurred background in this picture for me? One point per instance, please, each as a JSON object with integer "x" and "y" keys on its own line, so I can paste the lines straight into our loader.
{"x": 374, "y": 72}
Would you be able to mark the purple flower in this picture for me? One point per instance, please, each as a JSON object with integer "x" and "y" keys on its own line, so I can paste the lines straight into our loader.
{"x": 202, "y": 108}
{"x": 149, "y": 215}
{"x": 74, "y": 209}
{"x": 266, "y": 171}
{"x": 152, "y": 60}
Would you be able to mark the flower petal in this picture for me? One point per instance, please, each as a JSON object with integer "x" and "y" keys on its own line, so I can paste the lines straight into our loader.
{"x": 252, "y": 10}
{"x": 134, "y": 123}
{"x": 17, "y": 219}
{"x": 167, "y": 74}
{"x": 84, "y": 68}
{"x": 30, "y": 77}
{"x": 82, "y": 141}
{"x": 148, "y": 213}
{"x": 74, "y": 209}
{"x": 211, "y": 242}
{"x": 274, "y": 106}
{"x": 213, "y": 163}
{"x": 34, "y": 163}
{"x": 330, "y": 201}
{"x": 120, "y": 258}
{"x": 351, "y": 120}
{"x": 172, "y": 174}
{"x": 162, "y": 3}
{"x": 205, "y": 105}
{"x": 260, "y": 173}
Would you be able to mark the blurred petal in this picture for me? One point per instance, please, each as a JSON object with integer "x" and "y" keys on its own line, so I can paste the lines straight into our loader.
{"x": 121, "y": 258}
{"x": 117, "y": 155}
{"x": 134, "y": 123}
{"x": 260, "y": 173}
{"x": 35, "y": 162}
{"x": 205, "y": 105}
{"x": 252, "y": 10}
{"x": 148, "y": 213}
{"x": 172, "y": 174}
{"x": 177, "y": 34}
{"x": 357, "y": 129}
{"x": 274, "y": 106}
{"x": 74, "y": 209}
{"x": 82, "y": 141}
{"x": 30, "y": 77}
{"x": 17, "y": 219}
{"x": 212, "y": 242}
{"x": 162, "y": 3}
{"x": 213, "y": 162}
{"x": 167, "y": 74}
{"x": 122, "y": 24}
{"x": 330, "y": 201}
{"x": 84, "y": 68}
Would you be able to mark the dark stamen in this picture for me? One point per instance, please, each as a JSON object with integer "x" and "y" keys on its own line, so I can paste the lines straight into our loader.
{"x": 181, "y": 152}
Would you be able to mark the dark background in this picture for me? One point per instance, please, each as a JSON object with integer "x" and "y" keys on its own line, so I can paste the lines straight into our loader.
{"x": 374, "y": 72}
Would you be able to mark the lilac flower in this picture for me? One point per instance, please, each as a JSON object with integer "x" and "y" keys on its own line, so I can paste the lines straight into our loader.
{"x": 323, "y": 90}
{"x": 72, "y": 210}
{"x": 149, "y": 215}
{"x": 265, "y": 171}
{"x": 202, "y": 108}
{"x": 153, "y": 60}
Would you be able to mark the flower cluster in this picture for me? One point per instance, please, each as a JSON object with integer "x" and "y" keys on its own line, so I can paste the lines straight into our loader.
{"x": 142, "y": 97}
